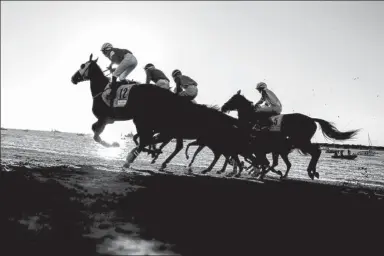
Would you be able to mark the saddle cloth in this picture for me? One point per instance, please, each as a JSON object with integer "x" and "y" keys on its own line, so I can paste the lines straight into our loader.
{"x": 122, "y": 94}
{"x": 275, "y": 127}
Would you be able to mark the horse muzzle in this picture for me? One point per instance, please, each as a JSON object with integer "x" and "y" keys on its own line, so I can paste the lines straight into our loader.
{"x": 76, "y": 78}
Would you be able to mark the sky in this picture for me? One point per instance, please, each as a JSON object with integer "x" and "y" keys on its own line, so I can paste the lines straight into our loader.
{"x": 322, "y": 59}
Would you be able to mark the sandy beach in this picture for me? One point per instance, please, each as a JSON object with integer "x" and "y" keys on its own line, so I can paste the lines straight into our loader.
{"x": 84, "y": 211}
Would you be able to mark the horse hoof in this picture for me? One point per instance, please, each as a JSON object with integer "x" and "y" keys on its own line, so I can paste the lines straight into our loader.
{"x": 126, "y": 165}
{"x": 237, "y": 175}
{"x": 153, "y": 161}
{"x": 317, "y": 175}
{"x": 219, "y": 172}
{"x": 204, "y": 171}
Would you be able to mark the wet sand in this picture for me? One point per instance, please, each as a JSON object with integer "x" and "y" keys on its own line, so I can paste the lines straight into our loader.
{"x": 84, "y": 211}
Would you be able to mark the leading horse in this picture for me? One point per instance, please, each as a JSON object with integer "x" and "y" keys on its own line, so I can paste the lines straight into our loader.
{"x": 98, "y": 81}
{"x": 155, "y": 110}
{"x": 298, "y": 128}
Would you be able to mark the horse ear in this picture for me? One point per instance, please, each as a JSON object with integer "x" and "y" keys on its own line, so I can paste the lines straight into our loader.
{"x": 96, "y": 60}
{"x": 90, "y": 57}
{"x": 239, "y": 91}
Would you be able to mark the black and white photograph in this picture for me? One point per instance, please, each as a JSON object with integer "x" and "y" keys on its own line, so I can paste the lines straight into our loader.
{"x": 192, "y": 128}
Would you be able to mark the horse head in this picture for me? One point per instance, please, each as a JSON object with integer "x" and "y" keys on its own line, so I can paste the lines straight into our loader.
{"x": 87, "y": 71}
{"x": 236, "y": 102}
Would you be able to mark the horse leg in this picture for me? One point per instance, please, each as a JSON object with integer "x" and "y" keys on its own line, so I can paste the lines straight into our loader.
{"x": 97, "y": 128}
{"x": 250, "y": 168}
{"x": 238, "y": 163}
{"x": 179, "y": 146}
{"x": 265, "y": 165}
{"x": 315, "y": 153}
{"x": 194, "y": 155}
{"x": 275, "y": 157}
{"x": 224, "y": 166}
{"x": 284, "y": 156}
{"x": 234, "y": 168}
{"x": 193, "y": 143}
{"x": 159, "y": 150}
{"x": 145, "y": 139}
{"x": 217, "y": 156}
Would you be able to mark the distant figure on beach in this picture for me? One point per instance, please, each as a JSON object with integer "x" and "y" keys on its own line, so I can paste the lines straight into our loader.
{"x": 349, "y": 152}
{"x": 341, "y": 152}
{"x": 335, "y": 154}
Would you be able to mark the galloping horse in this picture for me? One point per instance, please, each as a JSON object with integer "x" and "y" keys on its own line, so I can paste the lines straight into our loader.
{"x": 92, "y": 72}
{"x": 297, "y": 127}
{"x": 155, "y": 110}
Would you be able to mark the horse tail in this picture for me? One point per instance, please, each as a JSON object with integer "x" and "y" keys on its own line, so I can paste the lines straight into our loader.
{"x": 193, "y": 143}
{"x": 331, "y": 132}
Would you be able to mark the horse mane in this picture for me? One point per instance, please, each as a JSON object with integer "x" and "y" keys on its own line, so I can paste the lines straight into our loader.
{"x": 248, "y": 101}
{"x": 214, "y": 107}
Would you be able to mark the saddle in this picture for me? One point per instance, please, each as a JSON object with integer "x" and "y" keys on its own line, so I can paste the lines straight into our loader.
{"x": 122, "y": 93}
{"x": 119, "y": 83}
{"x": 268, "y": 124}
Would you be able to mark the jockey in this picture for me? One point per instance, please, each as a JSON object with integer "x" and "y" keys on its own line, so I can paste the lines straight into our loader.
{"x": 185, "y": 86}
{"x": 126, "y": 64}
{"x": 157, "y": 76}
{"x": 272, "y": 103}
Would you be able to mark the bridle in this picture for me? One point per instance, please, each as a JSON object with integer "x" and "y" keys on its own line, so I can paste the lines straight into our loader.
{"x": 82, "y": 73}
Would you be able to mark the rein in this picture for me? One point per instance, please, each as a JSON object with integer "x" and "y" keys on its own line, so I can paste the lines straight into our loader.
{"x": 97, "y": 95}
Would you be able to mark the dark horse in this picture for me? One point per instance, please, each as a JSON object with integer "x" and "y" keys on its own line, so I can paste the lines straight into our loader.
{"x": 298, "y": 128}
{"x": 92, "y": 72}
{"x": 155, "y": 110}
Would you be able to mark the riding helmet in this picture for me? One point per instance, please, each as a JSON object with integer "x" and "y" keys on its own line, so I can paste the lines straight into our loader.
{"x": 176, "y": 72}
{"x": 261, "y": 86}
{"x": 148, "y": 66}
{"x": 106, "y": 46}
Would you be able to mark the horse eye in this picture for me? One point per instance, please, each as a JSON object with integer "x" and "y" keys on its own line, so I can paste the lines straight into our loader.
{"x": 82, "y": 66}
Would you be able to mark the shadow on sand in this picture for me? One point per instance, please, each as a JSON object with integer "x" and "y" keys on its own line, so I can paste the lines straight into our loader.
{"x": 192, "y": 215}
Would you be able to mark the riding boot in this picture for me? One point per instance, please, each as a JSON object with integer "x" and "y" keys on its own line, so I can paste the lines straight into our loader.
{"x": 113, "y": 86}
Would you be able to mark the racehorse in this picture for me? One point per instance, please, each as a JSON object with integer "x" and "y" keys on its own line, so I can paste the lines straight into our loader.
{"x": 155, "y": 110}
{"x": 215, "y": 159}
{"x": 298, "y": 128}
{"x": 98, "y": 81}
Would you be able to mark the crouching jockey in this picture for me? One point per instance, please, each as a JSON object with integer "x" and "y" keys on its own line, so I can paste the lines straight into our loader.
{"x": 126, "y": 64}
{"x": 157, "y": 76}
{"x": 272, "y": 107}
{"x": 185, "y": 86}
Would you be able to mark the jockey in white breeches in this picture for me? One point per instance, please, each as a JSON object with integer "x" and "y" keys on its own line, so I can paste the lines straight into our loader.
{"x": 185, "y": 86}
{"x": 126, "y": 61}
{"x": 157, "y": 76}
{"x": 273, "y": 104}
